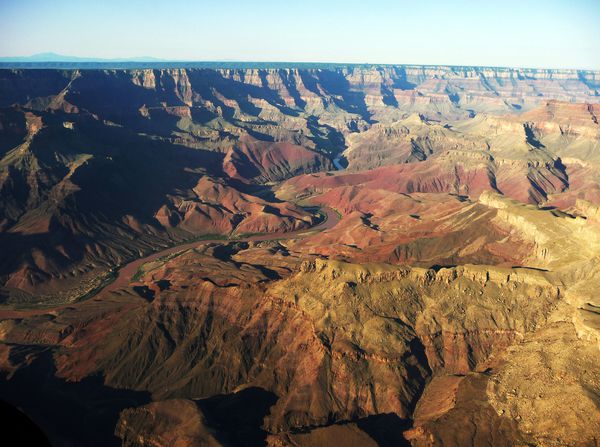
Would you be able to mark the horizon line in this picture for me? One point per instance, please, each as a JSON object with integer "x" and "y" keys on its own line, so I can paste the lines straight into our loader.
{"x": 8, "y": 61}
{"x": 180, "y": 63}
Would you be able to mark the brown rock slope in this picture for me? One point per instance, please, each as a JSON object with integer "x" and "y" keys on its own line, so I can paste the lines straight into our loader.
{"x": 82, "y": 199}
{"x": 135, "y": 144}
{"x": 419, "y": 229}
{"x": 548, "y": 154}
{"x": 333, "y": 342}
{"x": 332, "y": 346}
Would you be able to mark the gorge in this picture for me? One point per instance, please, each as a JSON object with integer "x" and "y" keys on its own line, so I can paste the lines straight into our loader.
{"x": 301, "y": 254}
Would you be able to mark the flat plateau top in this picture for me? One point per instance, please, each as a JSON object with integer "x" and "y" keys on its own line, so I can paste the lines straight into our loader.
{"x": 129, "y": 65}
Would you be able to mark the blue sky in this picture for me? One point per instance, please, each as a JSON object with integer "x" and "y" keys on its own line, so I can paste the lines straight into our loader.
{"x": 535, "y": 33}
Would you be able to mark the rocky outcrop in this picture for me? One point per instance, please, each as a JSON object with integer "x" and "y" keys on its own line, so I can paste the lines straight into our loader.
{"x": 558, "y": 239}
{"x": 333, "y": 342}
{"x": 539, "y": 382}
{"x": 106, "y": 195}
{"x": 175, "y": 422}
{"x": 148, "y": 136}
{"x": 265, "y": 162}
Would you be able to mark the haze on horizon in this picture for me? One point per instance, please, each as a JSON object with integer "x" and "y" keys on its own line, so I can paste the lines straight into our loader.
{"x": 537, "y": 34}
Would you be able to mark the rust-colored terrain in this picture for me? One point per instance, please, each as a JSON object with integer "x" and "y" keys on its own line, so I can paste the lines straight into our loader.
{"x": 337, "y": 255}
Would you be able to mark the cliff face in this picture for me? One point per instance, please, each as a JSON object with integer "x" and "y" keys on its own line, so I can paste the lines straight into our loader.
{"x": 332, "y": 342}
{"x": 360, "y": 91}
{"x": 81, "y": 179}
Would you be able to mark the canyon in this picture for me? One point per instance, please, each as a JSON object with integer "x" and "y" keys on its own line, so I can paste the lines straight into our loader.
{"x": 301, "y": 255}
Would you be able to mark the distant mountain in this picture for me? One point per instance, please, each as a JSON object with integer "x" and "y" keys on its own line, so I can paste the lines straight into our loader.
{"x": 54, "y": 57}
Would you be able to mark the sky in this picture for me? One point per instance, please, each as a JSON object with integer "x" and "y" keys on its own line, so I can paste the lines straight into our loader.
{"x": 523, "y": 33}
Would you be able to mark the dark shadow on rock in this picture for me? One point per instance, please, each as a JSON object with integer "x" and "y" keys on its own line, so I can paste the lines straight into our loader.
{"x": 454, "y": 98}
{"x": 244, "y": 166}
{"x": 163, "y": 284}
{"x": 336, "y": 85}
{"x": 387, "y": 95}
{"x": 237, "y": 418}
{"x": 144, "y": 292}
{"x": 327, "y": 139}
{"x": 386, "y": 429}
{"x": 224, "y": 252}
{"x": 438, "y": 267}
{"x": 366, "y": 220}
{"x": 524, "y": 267}
{"x": 19, "y": 428}
{"x": 69, "y": 413}
{"x": 260, "y": 136}
{"x": 531, "y": 138}
{"x": 401, "y": 80}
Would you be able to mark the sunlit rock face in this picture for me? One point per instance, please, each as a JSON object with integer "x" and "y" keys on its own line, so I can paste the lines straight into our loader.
{"x": 331, "y": 255}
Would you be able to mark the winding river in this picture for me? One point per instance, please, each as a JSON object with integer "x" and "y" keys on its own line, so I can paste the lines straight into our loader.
{"x": 126, "y": 272}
